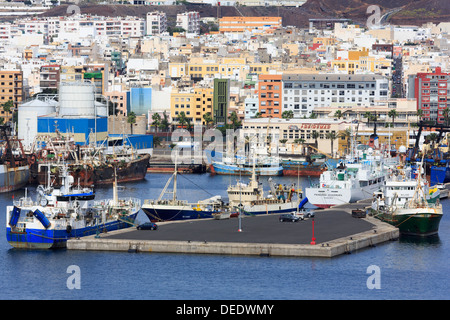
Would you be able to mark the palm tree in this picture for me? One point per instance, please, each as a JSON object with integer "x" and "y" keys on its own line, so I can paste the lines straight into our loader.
{"x": 164, "y": 125}
{"x": 131, "y": 119}
{"x": 332, "y": 136}
{"x": 346, "y": 135}
{"x": 182, "y": 119}
{"x": 234, "y": 120}
{"x": 368, "y": 115}
{"x": 208, "y": 119}
{"x": 156, "y": 121}
{"x": 392, "y": 114}
{"x": 315, "y": 135}
{"x": 338, "y": 114}
{"x": 432, "y": 138}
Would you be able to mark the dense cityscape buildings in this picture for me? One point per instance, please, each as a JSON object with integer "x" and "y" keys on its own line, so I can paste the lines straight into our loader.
{"x": 254, "y": 68}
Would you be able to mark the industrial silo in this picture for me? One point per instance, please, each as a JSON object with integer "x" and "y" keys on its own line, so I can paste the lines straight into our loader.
{"x": 28, "y": 113}
{"x": 76, "y": 99}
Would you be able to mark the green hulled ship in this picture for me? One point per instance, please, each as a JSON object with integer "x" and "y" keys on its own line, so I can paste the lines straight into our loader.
{"x": 409, "y": 204}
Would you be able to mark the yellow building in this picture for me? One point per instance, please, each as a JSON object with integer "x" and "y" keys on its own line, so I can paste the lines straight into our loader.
{"x": 396, "y": 137}
{"x": 360, "y": 61}
{"x": 11, "y": 89}
{"x": 195, "y": 103}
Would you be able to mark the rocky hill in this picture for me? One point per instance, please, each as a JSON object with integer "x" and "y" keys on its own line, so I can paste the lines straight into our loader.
{"x": 410, "y": 12}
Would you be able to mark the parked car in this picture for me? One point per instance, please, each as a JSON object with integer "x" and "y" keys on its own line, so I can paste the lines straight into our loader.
{"x": 147, "y": 226}
{"x": 289, "y": 217}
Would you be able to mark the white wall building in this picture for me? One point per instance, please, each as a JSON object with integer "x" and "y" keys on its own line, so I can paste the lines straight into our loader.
{"x": 189, "y": 21}
{"x": 302, "y": 93}
{"x": 156, "y": 23}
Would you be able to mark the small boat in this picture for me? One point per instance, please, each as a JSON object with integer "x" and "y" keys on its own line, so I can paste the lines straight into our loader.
{"x": 409, "y": 204}
{"x": 47, "y": 223}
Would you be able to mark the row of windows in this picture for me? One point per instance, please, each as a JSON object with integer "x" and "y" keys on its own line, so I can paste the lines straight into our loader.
{"x": 290, "y": 85}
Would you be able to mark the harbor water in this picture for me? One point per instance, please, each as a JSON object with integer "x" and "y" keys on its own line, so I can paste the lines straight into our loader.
{"x": 409, "y": 268}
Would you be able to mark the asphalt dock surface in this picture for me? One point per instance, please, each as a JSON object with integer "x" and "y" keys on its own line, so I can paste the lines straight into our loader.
{"x": 329, "y": 224}
{"x": 335, "y": 232}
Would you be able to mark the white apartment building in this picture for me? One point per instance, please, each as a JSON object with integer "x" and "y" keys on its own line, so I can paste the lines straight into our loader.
{"x": 302, "y": 93}
{"x": 189, "y": 21}
{"x": 101, "y": 26}
{"x": 156, "y": 23}
{"x": 251, "y": 107}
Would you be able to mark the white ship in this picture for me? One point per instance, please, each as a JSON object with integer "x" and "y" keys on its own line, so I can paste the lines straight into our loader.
{"x": 251, "y": 199}
{"x": 348, "y": 182}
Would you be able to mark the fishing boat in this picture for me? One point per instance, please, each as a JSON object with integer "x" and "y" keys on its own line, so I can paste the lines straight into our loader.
{"x": 57, "y": 215}
{"x": 250, "y": 197}
{"x": 348, "y": 182}
{"x": 90, "y": 165}
{"x": 14, "y": 168}
{"x": 265, "y": 167}
{"x": 409, "y": 204}
{"x": 163, "y": 209}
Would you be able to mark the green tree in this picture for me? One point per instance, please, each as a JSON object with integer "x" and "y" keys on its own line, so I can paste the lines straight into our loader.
{"x": 131, "y": 119}
{"x": 315, "y": 135}
{"x": 156, "y": 121}
{"x": 235, "y": 123}
{"x": 338, "y": 114}
{"x": 393, "y": 114}
{"x": 164, "y": 122}
{"x": 332, "y": 136}
{"x": 288, "y": 114}
{"x": 182, "y": 119}
{"x": 208, "y": 119}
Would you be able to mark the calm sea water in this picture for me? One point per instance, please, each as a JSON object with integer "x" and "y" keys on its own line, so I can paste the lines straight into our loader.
{"x": 408, "y": 268}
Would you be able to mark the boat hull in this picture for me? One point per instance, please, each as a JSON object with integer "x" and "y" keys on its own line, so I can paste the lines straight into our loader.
{"x": 157, "y": 213}
{"x": 420, "y": 222}
{"x": 303, "y": 169}
{"x": 87, "y": 176}
{"x": 439, "y": 175}
{"x": 13, "y": 178}
{"x": 219, "y": 168}
{"x": 328, "y": 197}
{"x": 39, "y": 238}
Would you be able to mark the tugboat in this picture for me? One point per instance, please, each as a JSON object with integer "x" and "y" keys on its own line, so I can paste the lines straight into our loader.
{"x": 47, "y": 223}
{"x": 409, "y": 204}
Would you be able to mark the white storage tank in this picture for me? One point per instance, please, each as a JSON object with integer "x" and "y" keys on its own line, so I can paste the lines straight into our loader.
{"x": 102, "y": 110}
{"x": 76, "y": 99}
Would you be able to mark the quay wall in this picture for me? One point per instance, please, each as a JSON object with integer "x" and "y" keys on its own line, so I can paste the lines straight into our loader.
{"x": 382, "y": 232}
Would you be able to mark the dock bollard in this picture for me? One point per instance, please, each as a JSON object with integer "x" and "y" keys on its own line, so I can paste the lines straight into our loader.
{"x": 313, "y": 240}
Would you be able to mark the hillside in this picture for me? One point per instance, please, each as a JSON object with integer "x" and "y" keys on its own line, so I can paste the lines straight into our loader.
{"x": 414, "y": 12}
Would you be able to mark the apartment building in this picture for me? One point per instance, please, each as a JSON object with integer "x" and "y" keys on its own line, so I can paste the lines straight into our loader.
{"x": 270, "y": 95}
{"x": 302, "y": 93}
{"x": 49, "y": 77}
{"x": 11, "y": 89}
{"x": 432, "y": 92}
{"x": 156, "y": 23}
{"x": 241, "y": 24}
{"x": 189, "y": 21}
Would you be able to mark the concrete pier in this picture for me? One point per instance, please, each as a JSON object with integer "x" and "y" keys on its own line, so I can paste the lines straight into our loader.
{"x": 336, "y": 232}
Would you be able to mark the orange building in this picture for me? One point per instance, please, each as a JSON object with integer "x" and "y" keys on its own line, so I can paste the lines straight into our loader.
{"x": 270, "y": 92}
{"x": 240, "y": 24}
